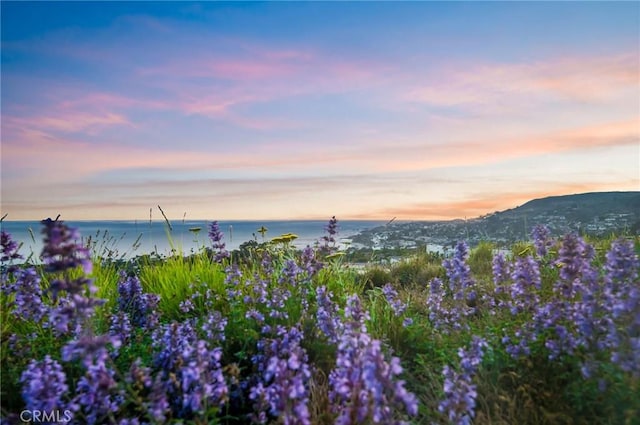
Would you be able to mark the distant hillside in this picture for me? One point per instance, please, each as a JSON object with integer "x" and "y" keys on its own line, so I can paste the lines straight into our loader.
{"x": 593, "y": 213}
{"x": 582, "y": 207}
{"x": 598, "y": 213}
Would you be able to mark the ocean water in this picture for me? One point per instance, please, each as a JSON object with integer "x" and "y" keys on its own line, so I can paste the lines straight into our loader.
{"x": 131, "y": 238}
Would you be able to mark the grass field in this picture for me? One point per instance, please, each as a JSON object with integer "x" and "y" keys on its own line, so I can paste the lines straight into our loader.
{"x": 547, "y": 335}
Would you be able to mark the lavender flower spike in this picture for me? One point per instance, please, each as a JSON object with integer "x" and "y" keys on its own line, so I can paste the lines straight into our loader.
{"x": 541, "y": 240}
{"x": 61, "y": 248}
{"x": 460, "y": 393}
{"x": 8, "y": 248}
{"x": 44, "y": 385}
{"x": 217, "y": 244}
{"x": 329, "y": 240}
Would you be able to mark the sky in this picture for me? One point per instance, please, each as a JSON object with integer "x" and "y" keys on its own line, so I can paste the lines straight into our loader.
{"x": 305, "y": 110}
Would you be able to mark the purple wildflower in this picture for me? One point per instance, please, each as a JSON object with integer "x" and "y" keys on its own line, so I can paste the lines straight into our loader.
{"x": 501, "y": 272}
{"x": 120, "y": 327}
{"x": 233, "y": 281}
{"x": 258, "y": 394}
{"x": 470, "y": 359}
{"x": 214, "y": 326}
{"x": 363, "y": 386}
{"x": 217, "y": 244}
{"x": 518, "y": 347}
{"x": 8, "y": 252}
{"x": 171, "y": 341}
{"x": 622, "y": 265}
{"x": 71, "y": 312}
{"x": 275, "y": 303}
{"x": 141, "y": 307}
{"x": 460, "y": 393}
{"x": 21, "y": 345}
{"x": 139, "y": 376}
{"x": 186, "y": 306}
{"x": 290, "y": 273}
{"x": 73, "y": 309}
{"x": 541, "y": 240}
{"x": 156, "y": 403}
{"x": 622, "y": 304}
{"x": 285, "y": 374}
{"x": 61, "y": 250}
{"x": 8, "y": 247}
{"x": 28, "y": 302}
{"x": 255, "y": 315}
{"x": 329, "y": 240}
{"x": 355, "y": 316}
{"x": 458, "y": 271}
{"x": 293, "y": 280}
{"x": 259, "y": 288}
{"x": 445, "y": 315}
{"x": 61, "y": 253}
{"x": 267, "y": 263}
{"x": 44, "y": 385}
{"x": 97, "y": 395}
{"x": 91, "y": 349}
{"x": 309, "y": 262}
{"x": 327, "y": 315}
{"x": 574, "y": 260}
{"x": 460, "y": 398}
{"x": 574, "y": 317}
{"x": 191, "y": 374}
{"x": 391, "y": 296}
{"x": 526, "y": 279}
{"x": 201, "y": 379}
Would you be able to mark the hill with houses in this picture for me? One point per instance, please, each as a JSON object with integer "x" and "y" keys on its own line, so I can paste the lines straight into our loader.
{"x": 597, "y": 213}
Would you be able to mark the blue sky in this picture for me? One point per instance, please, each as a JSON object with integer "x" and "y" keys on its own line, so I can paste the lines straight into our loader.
{"x": 306, "y": 110}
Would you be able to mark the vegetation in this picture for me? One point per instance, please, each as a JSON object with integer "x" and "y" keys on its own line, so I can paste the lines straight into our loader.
{"x": 268, "y": 334}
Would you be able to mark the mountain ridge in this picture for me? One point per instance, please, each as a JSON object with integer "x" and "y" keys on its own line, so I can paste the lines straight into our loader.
{"x": 593, "y": 213}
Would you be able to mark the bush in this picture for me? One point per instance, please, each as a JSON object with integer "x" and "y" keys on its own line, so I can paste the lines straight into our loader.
{"x": 480, "y": 260}
{"x": 376, "y": 277}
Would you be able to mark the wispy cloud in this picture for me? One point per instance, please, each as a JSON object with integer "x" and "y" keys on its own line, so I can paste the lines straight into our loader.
{"x": 55, "y": 155}
{"x": 388, "y": 156}
{"x": 252, "y": 64}
{"x": 70, "y": 121}
{"x": 575, "y": 78}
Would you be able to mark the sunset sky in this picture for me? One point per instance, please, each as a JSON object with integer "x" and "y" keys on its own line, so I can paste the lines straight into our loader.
{"x": 306, "y": 110}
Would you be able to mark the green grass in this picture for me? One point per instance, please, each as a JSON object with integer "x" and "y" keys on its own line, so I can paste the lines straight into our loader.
{"x": 177, "y": 278}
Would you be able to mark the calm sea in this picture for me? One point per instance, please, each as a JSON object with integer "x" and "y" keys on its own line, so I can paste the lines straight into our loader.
{"x": 131, "y": 238}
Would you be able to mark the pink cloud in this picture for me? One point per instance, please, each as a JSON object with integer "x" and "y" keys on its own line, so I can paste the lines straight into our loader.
{"x": 573, "y": 78}
{"x": 55, "y": 156}
{"x": 72, "y": 122}
{"x": 249, "y": 62}
{"x": 221, "y": 68}
{"x": 260, "y": 73}
{"x": 269, "y": 66}
{"x": 619, "y": 133}
{"x": 29, "y": 139}
{"x": 590, "y": 79}
{"x": 108, "y": 101}
{"x": 388, "y": 156}
{"x": 206, "y": 81}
